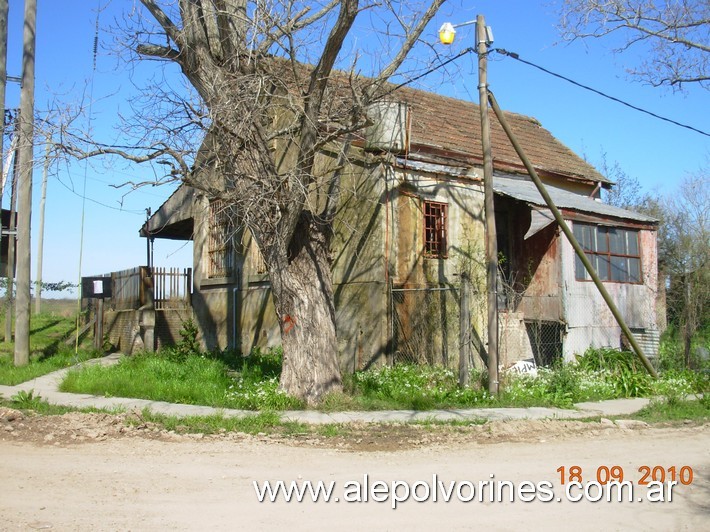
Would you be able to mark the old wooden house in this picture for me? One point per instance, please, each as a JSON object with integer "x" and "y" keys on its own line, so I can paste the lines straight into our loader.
{"x": 410, "y": 222}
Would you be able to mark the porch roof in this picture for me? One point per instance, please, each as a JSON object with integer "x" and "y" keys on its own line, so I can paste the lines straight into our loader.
{"x": 526, "y": 191}
{"x": 174, "y": 219}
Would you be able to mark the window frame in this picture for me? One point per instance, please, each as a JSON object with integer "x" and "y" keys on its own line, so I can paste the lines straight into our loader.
{"x": 436, "y": 245}
{"x": 606, "y": 246}
{"x": 220, "y": 248}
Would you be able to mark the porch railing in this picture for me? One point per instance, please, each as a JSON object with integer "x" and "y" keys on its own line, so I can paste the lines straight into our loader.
{"x": 168, "y": 288}
{"x": 172, "y": 287}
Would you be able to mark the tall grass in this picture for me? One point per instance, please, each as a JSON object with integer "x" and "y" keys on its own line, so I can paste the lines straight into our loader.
{"x": 223, "y": 380}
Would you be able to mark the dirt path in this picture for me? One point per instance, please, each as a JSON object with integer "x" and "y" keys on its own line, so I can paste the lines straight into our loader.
{"x": 87, "y": 472}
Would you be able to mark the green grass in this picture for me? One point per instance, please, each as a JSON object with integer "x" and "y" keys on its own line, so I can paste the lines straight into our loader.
{"x": 675, "y": 410}
{"x": 223, "y": 381}
{"x": 48, "y": 350}
{"x": 31, "y": 402}
{"x": 263, "y": 422}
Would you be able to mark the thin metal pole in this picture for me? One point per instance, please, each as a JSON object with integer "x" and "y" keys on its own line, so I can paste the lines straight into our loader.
{"x": 570, "y": 236}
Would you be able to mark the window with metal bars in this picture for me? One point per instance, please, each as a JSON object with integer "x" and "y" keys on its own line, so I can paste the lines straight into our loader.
{"x": 614, "y": 253}
{"x": 219, "y": 245}
{"x": 435, "y": 229}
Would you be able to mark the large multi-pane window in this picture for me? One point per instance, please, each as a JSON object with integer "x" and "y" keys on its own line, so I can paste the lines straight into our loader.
{"x": 219, "y": 243}
{"x": 614, "y": 253}
{"x": 435, "y": 234}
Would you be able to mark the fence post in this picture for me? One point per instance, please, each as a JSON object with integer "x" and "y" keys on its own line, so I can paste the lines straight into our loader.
{"x": 464, "y": 330}
{"x": 147, "y": 310}
{"x": 188, "y": 287}
{"x": 99, "y": 327}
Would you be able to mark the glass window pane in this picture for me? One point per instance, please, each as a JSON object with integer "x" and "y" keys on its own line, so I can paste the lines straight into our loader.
{"x": 619, "y": 269}
{"x": 602, "y": 267}
{"x": 601, "y": 242}
{"x": 579, "y": 269}
{"x": 632, "y": 238}
{"x": 617, "y": 241}
{"x": 593, "y": 238}
{"x": 634, "y": 270}
{"x": 583, "y": 233}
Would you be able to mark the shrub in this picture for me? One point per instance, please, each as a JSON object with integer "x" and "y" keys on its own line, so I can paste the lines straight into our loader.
{"x": 188, "y": 344}
{"x": 621, "y": 368}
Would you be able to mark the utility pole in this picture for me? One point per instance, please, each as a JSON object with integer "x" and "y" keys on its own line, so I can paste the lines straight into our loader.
{"x": 4, "y": 11}
{"x": 23, "y": 300}
{"x": 489, "y": 208}
{"x": 11, "y": 238}
{"x": 40, "y": 237}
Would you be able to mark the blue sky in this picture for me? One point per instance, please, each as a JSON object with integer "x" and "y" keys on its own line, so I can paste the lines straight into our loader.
{"x": 658, "y": 154}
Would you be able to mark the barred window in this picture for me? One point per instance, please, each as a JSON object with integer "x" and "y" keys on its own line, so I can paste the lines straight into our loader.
{"x": 614, "y": 253}
{"x": 219, "y": 245}
{"x": 435, "y": 229}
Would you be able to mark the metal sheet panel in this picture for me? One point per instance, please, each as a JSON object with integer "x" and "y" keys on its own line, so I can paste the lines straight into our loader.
{"x": 525, "y": 190}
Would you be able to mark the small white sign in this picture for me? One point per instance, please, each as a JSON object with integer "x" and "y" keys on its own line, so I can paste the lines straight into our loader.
{"x": 98, "y": 287}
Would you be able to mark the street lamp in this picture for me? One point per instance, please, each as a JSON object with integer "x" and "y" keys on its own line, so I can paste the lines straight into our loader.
{"x": 484, "y": 37}
{"x": 447, "y": 33}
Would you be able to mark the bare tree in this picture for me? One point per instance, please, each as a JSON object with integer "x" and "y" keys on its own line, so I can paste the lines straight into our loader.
{"x": 685, "y": 250}
{"x": 276, "y": 84}
{"x": 674, "y": 34}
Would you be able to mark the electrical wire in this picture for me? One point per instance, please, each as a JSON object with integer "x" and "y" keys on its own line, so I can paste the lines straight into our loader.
{"x": 86, "y": 168}
{"x": 432, "y": 69}
{"x": 84, "y": 198}
{"x": 515, "y": 56}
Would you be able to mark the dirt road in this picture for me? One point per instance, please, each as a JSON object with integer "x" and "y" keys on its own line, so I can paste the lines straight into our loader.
{"x": 51, "y": 479}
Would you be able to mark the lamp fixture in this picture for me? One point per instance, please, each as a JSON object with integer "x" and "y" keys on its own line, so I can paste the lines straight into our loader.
{"x": 447, "y": 32}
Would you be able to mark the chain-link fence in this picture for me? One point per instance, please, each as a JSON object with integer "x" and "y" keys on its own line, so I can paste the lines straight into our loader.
{"x": 426, "y": 326}
{"x": 423, "y": 321}
{"x": 426, "y": 329}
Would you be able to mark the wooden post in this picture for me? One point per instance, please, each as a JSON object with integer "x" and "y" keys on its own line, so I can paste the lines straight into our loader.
{"x": 99, "y": 334}
{"x": 9, "y": 289}
{"x": 24, "y": 187}
{"x": 489, "y": 208}
{"x": 464, "y": 330}
{"x": 40, "y": 236}
{"x": 4, "y": 11}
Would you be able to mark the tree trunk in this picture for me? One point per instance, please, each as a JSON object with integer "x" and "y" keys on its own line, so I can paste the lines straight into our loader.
{"x": 303, "y": 297}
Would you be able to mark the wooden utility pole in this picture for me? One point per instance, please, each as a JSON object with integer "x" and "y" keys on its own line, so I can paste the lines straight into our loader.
{"x": 489, "y": 208}
{"x": 24, "y": 189}
{"x": 11, "y": 241}
{"x": 40, "y": 236}
{"x": 4, "y": 11}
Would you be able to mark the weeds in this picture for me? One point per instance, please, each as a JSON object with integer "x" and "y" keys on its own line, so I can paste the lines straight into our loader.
{"x": 674, "y": 410}
{"x": 222, "y": 380}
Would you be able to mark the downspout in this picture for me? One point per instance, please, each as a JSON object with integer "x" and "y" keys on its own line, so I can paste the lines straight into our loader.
{"x": 570, "y": 236}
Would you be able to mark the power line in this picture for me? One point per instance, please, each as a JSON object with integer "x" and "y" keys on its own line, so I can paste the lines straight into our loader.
{"x": 600, "y": 93}
{"x": 97, "y": 202}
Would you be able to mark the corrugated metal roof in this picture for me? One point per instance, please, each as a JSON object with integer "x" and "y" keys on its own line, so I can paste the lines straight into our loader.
{"x": 525, "y": 190}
